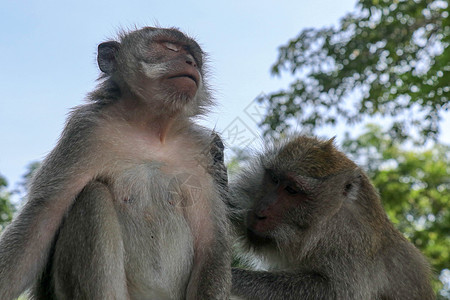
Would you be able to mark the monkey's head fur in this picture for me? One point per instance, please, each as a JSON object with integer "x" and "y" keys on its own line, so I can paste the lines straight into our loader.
{"x": 299, "y": 193}
{"x": 162, "y": 66}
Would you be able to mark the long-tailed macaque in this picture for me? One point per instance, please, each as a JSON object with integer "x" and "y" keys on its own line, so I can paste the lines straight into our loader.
{"x": 317, "y": 225}
{"x": 125, "y": 206}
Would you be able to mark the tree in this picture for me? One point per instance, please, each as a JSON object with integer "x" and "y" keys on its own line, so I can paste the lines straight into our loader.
{"x": 6, "y": 208}
{"x": 414, "y": 186}
{"x": 386, "y": 59}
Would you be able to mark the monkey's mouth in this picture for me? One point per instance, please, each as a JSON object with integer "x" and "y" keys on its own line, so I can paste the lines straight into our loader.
{"x": 192, "y": 76}
{"x": 257, "y": 238}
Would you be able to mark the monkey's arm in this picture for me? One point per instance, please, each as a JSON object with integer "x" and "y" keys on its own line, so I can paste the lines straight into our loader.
{"x": 263, "y": 285}
{"x": 25, "y": 244}
{"x": 210, "y": 278}
{"x": 88, "y": 260}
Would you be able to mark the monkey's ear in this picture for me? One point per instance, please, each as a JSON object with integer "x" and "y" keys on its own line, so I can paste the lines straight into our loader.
{"x": 106, "y": 57}
{"x": 328, "y": 146}
{"x": 353, "y": 184}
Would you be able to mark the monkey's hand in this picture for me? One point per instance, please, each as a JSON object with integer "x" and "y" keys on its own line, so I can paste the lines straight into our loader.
{"x": 280, "y": 285}
{"x": 217, "y": 169}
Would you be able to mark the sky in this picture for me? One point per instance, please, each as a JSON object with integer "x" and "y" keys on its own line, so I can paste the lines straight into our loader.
{"x": 48, "y": 60}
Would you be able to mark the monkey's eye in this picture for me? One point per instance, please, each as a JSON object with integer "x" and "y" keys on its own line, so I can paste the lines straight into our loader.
{"x": 172, "y": 46}
{"x": 274, "y": 178}
{"x": 291, "y": 190}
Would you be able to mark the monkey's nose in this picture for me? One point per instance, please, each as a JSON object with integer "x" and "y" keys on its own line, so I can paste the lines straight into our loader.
{"x": 191, "y": 61}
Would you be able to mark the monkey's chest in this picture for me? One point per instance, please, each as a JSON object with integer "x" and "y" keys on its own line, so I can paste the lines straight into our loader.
{"x": 158, "y": 213}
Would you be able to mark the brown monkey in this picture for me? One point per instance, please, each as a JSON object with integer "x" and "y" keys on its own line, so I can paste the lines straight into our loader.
{"x": 128, "y": 187}
{"x": 317, "y": 225}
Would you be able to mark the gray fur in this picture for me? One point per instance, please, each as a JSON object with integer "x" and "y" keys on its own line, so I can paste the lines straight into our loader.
{"x": 108, "y": 214}
{"x": 336, "y": 244}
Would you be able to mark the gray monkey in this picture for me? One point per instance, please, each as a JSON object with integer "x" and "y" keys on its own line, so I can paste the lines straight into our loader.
{"x": 126, "y": 206}
{"x": 317, "y": 224}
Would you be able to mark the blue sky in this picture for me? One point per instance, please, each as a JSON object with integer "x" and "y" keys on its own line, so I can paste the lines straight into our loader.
{"x": 48, "y": 63}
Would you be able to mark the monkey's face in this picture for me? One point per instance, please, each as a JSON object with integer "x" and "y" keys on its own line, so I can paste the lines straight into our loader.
{"x": 301, "y": 183}
{"x": 169, "y": 67}
{"x": 284, "y": 202}
{"x": 160, "y": 66}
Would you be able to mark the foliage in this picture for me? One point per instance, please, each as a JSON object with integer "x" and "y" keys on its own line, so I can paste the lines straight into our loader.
{"x": 415, "y": 189}
{"x": 386, "y": 59}
{"x": 6, "y": 208}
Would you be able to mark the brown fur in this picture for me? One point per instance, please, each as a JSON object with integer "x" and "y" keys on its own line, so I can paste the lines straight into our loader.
{"x": 314, "y": 221}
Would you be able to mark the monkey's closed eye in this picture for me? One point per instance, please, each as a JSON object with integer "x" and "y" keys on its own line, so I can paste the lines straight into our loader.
{"x": 172, "y": 46}
{"x": 274, "y": 178}
{"x": 291, "y": 190}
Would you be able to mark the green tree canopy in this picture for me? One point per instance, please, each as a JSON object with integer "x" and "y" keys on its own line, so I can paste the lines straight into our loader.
{"x": 386, "y": 59}
{"x": 6, "y": 208}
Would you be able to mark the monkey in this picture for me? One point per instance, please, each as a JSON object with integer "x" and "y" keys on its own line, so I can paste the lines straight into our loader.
{"x": 316, "y": 225}
{"x": 126, "y": 206}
